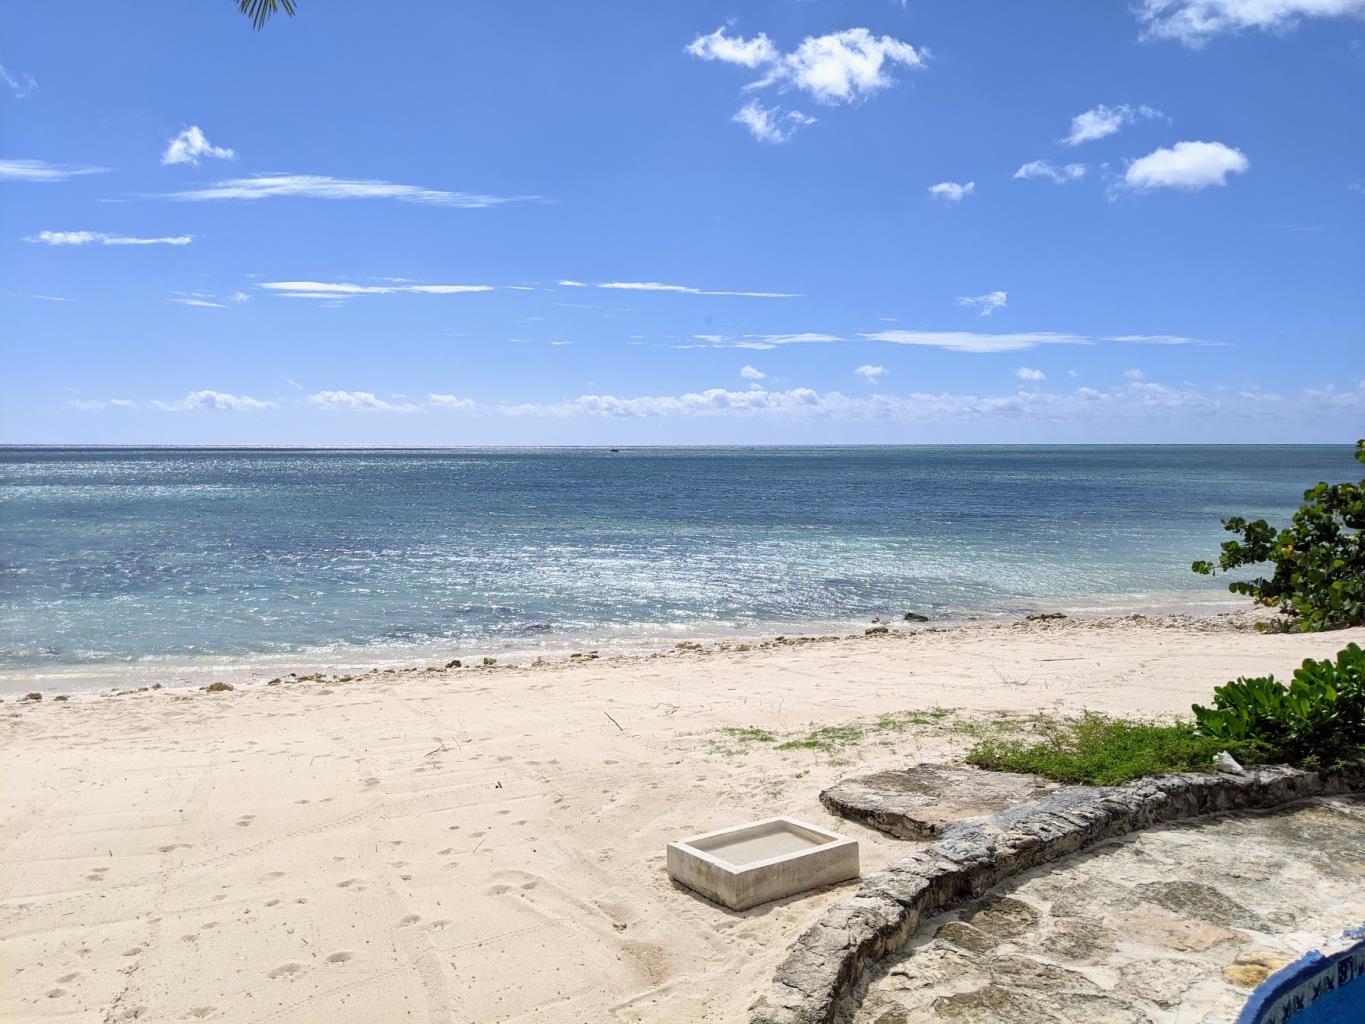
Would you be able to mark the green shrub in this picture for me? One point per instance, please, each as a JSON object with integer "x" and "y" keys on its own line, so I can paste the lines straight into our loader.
{"x": 1098, "y": 750}
{"x": 1319, "y": 559}
{"x": 1319, "y": 718}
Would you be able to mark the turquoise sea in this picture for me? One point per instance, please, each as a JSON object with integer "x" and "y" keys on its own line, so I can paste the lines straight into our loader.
{"x": 121, "y": 558}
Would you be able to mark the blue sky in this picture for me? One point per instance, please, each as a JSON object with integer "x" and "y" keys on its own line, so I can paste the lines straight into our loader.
{"x": 795, "y": 222}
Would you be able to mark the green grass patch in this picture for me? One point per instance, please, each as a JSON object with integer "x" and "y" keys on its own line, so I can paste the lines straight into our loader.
{"x": 824, "y": 739}
{"x": 1096, "y": 749}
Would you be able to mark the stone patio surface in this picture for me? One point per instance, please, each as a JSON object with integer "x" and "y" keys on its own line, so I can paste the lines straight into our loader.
{"x": 1174, "y": 925}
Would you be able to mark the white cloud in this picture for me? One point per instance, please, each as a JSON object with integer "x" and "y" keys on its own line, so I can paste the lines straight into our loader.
{"x": 190, "y": 300}
{"x": 1101, "y": 122}
{"x": 1186, "y": 165}
{"x": 770, "y": 124}
{"x": 342, "y": 290}
{"x": 985, "y": 304}
{"x": 842, "y": 67}
{"x": 453, "y": 403}
{"x": 219, "y": 400}
{"x": 763, "y": 342}
{"x": 1164, "y": 339}
{"x": 1134, "y": 401}
{"x": 952, "y": 191}
{"x": 969, "y": 341}
{"x": 1046, "y": 169}
{"x": 749, "y": 53}
{"x": 571, "y": 284}
{"x": 1134, "y": 375}
{"x": 870, "y": 373}
{"x": 99, "y": 237}
{"x": 191, "y": 145}
{"x": 1194, "y": 22}
{"x": 317, "y": 186}
{"x": 239, "y": 297}
{"x": 655, "y": 286}
{"x": 41, "y": 170}
{"x": 357, "y": 401}
{"x": 20, "y": 83}
{"x": 839, "y": 67}
{"x": 1027, "y": 373}
{"x": 750, "y": 373}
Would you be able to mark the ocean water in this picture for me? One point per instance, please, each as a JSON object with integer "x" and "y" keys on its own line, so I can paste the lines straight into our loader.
{"x": 168, "y": 558}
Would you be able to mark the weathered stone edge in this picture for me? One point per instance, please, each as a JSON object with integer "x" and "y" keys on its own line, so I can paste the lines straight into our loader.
{"x": 816, "y": 983}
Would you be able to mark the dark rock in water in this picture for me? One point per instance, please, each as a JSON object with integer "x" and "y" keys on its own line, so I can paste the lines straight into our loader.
{"x": 453, "y": 663}
{"x": 1045, "y": 616}
{"x": 219, "y": 687}
{"x": 33, "y": 696}
{"x": 915, "y": 617}
{"x": 877, "y": 630}
{"x": 61, "y": 696}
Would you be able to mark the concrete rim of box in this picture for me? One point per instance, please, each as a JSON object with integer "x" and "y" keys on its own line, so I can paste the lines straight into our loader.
{"x": 761, "y": 861}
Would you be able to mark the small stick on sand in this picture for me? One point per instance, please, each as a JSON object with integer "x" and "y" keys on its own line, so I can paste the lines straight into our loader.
{"x": 613, "y": 721}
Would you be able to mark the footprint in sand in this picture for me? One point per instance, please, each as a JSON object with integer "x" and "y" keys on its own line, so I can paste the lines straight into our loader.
{"x": 200, "y": 1012}
{"x": 67, "y": 979}
{"x": 408, "y": 921}
{"x": 286, "y": 971}
{"x": 340, "y": 957}
{"x": 439, "y": 924}
{"x": 56, "y": 993}
{"x": 132, "y": 952}
{"x": 245, "y": 820}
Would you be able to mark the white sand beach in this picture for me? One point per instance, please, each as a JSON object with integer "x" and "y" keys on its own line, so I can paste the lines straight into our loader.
{"x": 487, "y": 844}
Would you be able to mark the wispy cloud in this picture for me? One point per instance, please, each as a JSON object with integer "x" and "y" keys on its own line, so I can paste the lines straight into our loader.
{"x": 748, "y": 53}
{"x": 655, "y": 286}
{"x": 952, "y": 191}
{"x": 771, "y": 124}
{"x": 41, "y": 170}
{"x": 979, "y": 342}
{"x": 763, "y": 342}
{"x": 190, "y": 300}
{"x": 214, "y": 400}
{"x": 1100, "y": 122}
{"x": 191, "y": 146}
{"x": 836, "y": 68}
{"x": 1136, "y": 400}
{"x": 100, "y": 238}
{"x": 317, "y": 186}
{"x": 1164, "y": 339}
{"x": 971, "y": 341}
{"x": 752, "y": 373}
{"x": 358, "y": 401}
{"x": 985, "y": 304}
{"x": 870, "y": 373}
{"x": 342, "y": 290}
{"x": 1050, "y": 171}
{"x": 453, "y": 403}
{"x": 1189, "y": 166}
{"x": 571, "y": 284}
{"x": 20, "y": 83}
{"x": 1195, "y": 22}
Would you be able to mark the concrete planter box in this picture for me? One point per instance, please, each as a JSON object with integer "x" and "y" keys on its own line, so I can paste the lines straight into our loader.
{"x": 762, "y": 861}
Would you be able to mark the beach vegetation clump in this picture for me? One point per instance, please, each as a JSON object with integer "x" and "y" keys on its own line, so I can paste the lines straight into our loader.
{"x": 1318, "y": 719}
{"x": 1096, "y": 749}
{"x": 1319, "y": 559}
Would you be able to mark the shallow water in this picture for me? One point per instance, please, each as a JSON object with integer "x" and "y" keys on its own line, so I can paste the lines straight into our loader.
{"x": 120, "y": 557}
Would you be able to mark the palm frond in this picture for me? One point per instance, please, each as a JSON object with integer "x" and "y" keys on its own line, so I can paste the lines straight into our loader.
{"x": 259, "y": 11}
